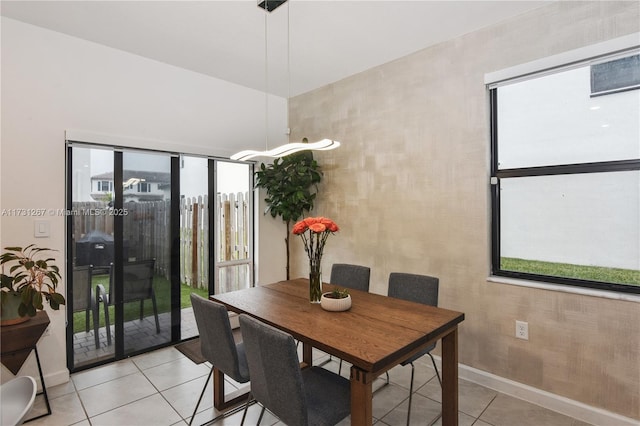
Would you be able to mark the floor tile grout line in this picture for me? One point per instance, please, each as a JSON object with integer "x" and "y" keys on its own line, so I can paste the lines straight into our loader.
{"x": 139, "y": 370}
{"x": 84, "y": 409}
{"x": 485, "y": 409}
{"x": 171, "y": 405}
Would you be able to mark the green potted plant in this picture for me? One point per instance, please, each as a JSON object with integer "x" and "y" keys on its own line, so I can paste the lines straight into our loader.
{"x": 336, "y": 300}
{"x": 28, "y": 278}
{"x": 291, "y": 183}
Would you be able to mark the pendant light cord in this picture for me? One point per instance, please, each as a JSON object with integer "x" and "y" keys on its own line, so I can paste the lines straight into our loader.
{"x": 288, "y": 69}
{"x": 289, "y": 148}
{"x": 266, "y": 86}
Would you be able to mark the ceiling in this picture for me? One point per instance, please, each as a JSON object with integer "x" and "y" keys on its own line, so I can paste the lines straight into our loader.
{"x": 306, "y": 44}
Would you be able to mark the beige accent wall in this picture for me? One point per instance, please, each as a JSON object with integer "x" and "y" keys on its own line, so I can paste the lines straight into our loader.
{"x": 409, "y": 188}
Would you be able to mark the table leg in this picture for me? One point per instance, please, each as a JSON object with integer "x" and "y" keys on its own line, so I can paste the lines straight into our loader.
{"x": 450, "y": 378}
{"x": 361, "y": 397}
{"x": 307, "y": 355}
{"x": 218, "y": 389}
{"x": 219, "y": 402}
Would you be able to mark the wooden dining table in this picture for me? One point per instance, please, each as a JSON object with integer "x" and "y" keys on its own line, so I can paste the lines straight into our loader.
{"x": 376, "y": 334}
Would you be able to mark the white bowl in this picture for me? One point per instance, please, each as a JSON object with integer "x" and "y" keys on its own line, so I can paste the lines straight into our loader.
{"x": 335, "y": 305}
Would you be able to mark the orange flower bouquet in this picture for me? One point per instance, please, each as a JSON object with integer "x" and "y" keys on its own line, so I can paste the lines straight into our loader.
{"x": 314, "y": 232}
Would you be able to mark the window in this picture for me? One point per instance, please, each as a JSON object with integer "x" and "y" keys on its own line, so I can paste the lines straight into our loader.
{"x": 616, "y": 75}
{"x": 566, "y": 175}
{"x": 105, "y": 186}
{"x": 144, "y": 187}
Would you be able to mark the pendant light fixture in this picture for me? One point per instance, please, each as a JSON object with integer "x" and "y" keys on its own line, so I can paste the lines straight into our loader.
{"x": 292, "y": 147}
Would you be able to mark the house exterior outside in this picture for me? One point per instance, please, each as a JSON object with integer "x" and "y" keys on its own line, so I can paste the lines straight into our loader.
{"x": 139, "y": 186}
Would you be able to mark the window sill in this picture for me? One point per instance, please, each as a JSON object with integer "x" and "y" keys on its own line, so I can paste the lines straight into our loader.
{"x": 566, "y": 289}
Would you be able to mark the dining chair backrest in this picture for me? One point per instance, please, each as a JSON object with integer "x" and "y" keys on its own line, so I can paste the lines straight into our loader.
{"x": 276, "y": 381}
{"x": 138, "y": 280}
{"x": 216, "y": 339}
{"x": 82, "y": 292}
{"x": 351, "y": 276}
{"x": 313, "y": 396}
{"x": 416, "y": 288}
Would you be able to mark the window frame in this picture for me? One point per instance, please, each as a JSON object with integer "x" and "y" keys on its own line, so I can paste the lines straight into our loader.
{"x": 103, "y": 183}
{"x": 144, "y": 187}
{"x": 498, "y": 174}
{"x": 631, "y": 85}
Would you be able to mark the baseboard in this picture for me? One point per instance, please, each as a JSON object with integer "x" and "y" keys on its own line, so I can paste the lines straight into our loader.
{"x": 54, "y": 379}
{"x": 560, "y": 404}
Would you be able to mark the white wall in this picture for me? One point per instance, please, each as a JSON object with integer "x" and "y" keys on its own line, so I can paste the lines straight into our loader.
{"x": 604, "y": 226}
{"x": 553, "y": 120}
{"x": 52, "y": 82}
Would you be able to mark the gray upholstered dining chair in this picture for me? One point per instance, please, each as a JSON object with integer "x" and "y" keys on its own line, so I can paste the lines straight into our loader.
{"x": 217, "y": 344}
{"x": 313, "y": 396}
{"x": 351, "y": 276}
{"x": 415, "y": 288}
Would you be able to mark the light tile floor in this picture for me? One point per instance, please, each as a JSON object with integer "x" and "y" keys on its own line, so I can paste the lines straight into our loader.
{"x": 162, "y": 387}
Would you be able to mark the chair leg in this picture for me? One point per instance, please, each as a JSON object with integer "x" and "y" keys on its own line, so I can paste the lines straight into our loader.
{"x": 246, "y": 408}
{"x": 260, "y": 418}
{"x": 96, "y": 324}
{"x": 410, "y": 395}
{"x": 433, "y": 361}
{"x": 325, "y": 362}
{"x": 155, "y": 310}
{"x": 107, "y": 323}
{"x": 231, "y": 412}
{"x": 201, "y": 395}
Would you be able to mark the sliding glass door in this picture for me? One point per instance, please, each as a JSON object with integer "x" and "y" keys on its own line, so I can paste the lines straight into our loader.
{"x": 145, "y": 293}
{"x": 233, "y": 269}
{"x": 90, "y": 254}
{"x": 144, "y": 230}
{"x": 194, "y": 237}
{"x": 216, "y": 230}
{"x": 123, "y": 297}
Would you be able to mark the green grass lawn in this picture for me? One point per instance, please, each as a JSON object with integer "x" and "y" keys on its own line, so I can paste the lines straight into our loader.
{"x": 132, "y": 310}
{"x": 592, "y": 273}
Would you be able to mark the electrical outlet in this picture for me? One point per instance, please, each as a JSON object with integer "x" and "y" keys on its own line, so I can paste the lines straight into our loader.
{"x": 522, "y": 330}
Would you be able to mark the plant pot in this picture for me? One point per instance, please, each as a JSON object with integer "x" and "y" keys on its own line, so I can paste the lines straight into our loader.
{"x": 10, "y": 303}
{"x": 335, "y": 305}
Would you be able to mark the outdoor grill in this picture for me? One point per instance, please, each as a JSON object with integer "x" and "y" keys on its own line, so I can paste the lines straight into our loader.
{"x": 95, "y": 248}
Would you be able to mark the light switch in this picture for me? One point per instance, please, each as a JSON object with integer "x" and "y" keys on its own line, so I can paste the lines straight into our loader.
{"x": 41, "y": 228}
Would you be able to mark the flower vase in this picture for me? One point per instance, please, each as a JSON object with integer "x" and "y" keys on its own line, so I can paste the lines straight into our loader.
{"x": 315, "y": 284}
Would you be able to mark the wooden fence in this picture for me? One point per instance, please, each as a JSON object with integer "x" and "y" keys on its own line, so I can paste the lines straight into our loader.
{"x": 233, "y": 242}
{"x": 194, "y": 247}
{"x": 147, "y": 234}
